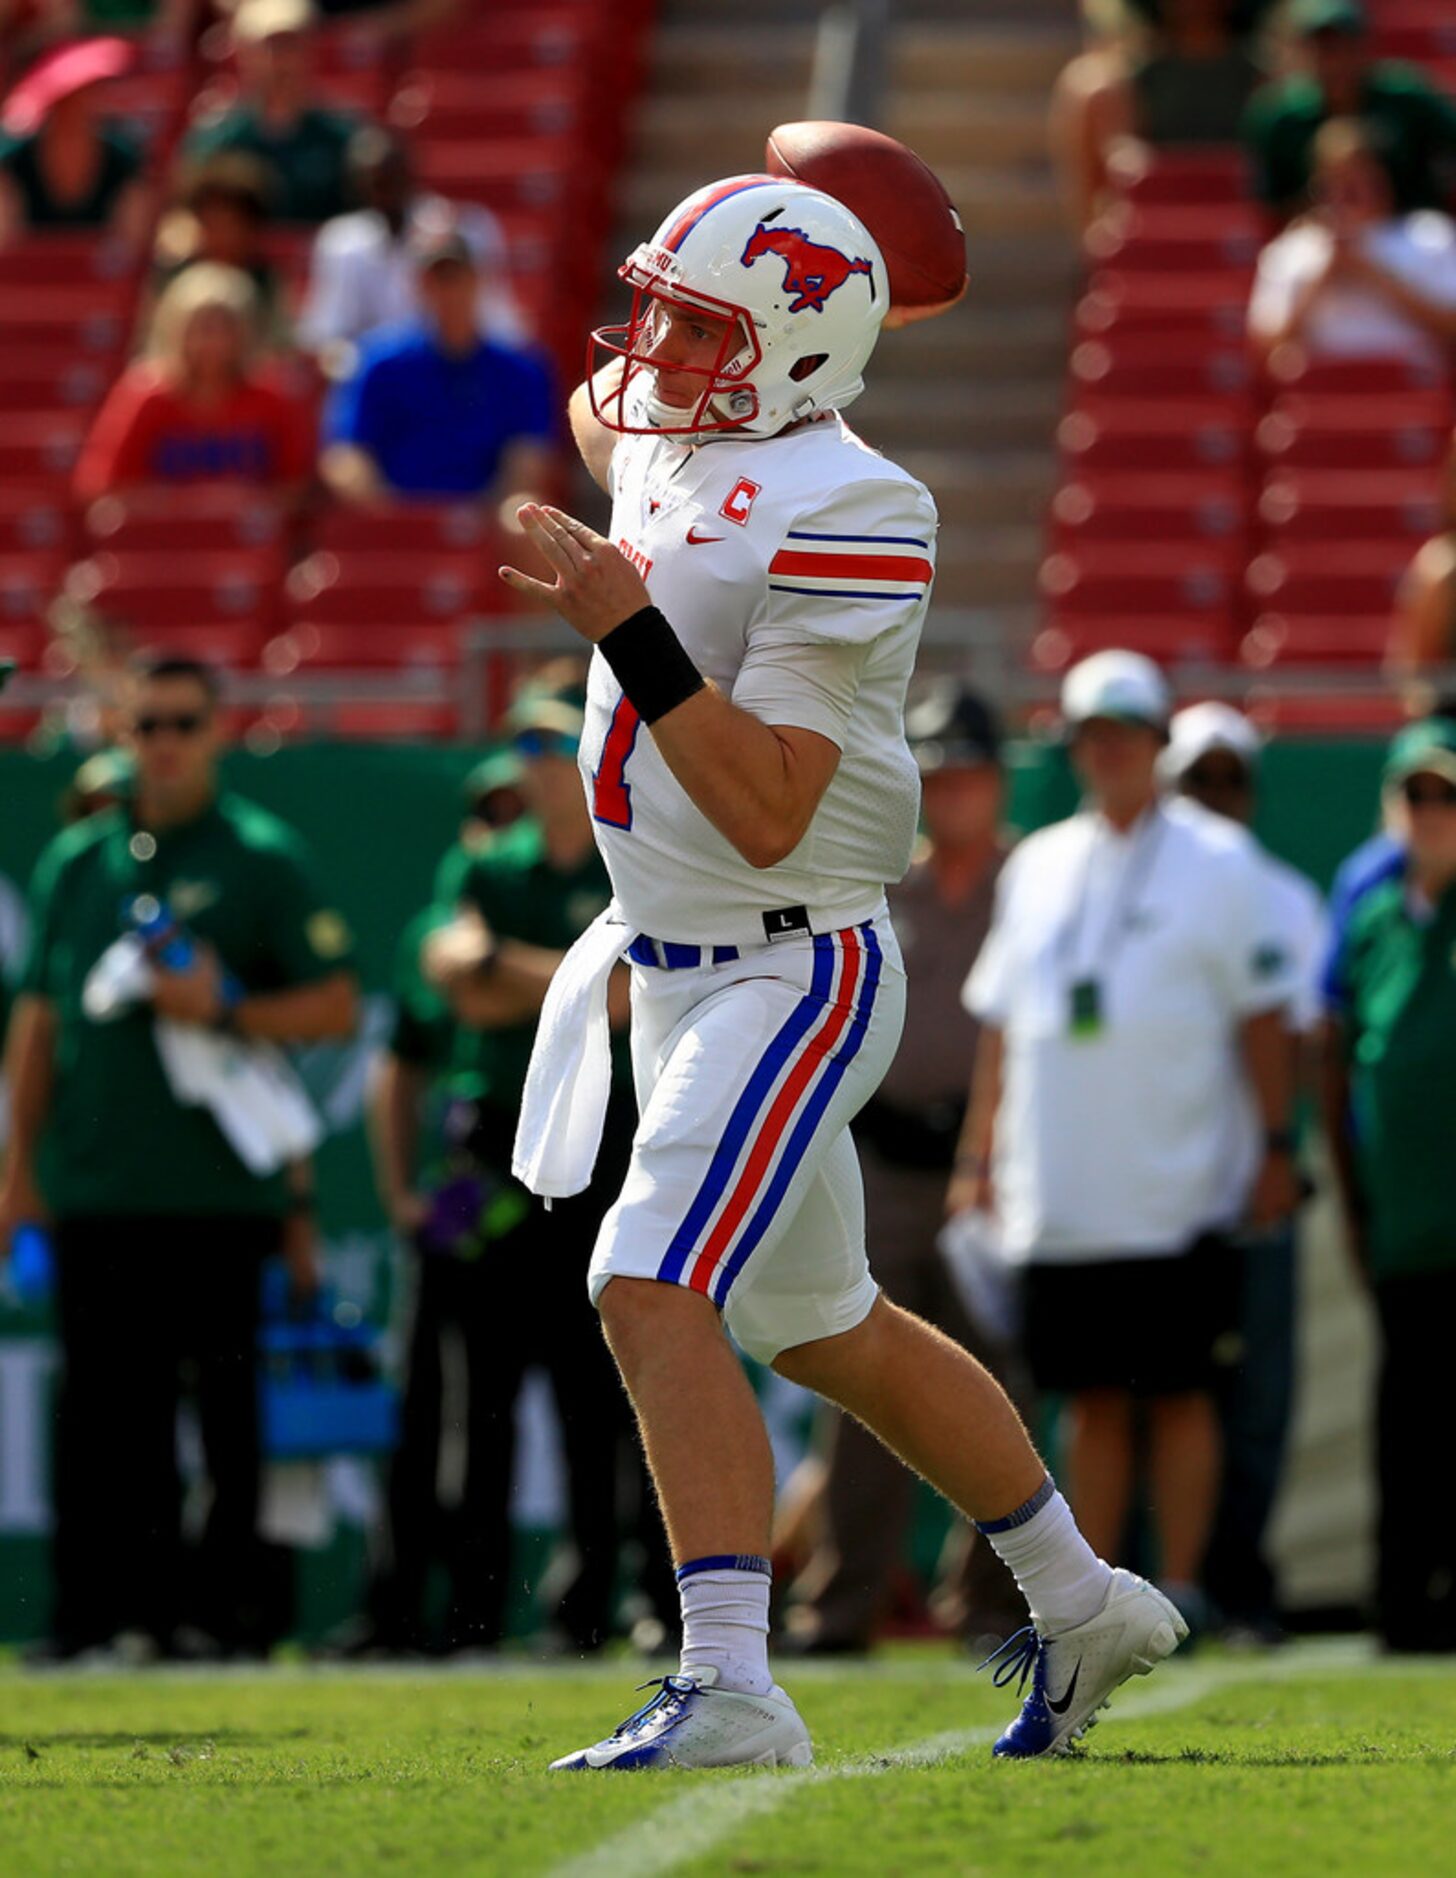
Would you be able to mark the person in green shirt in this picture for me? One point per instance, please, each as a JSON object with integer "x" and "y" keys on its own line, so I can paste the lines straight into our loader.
{"x": 159, "y": 1228}
{"x": 304, "y": 146}
{"x": 1392, "y": 992}
{"x": 1411, "y": 119}
{"x": 513, "y": 1293}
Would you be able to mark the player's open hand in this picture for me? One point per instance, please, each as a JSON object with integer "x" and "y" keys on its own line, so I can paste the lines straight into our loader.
{"x": 596, "y": 586}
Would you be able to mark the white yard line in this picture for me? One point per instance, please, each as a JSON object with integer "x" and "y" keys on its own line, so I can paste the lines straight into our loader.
{"x": 695, "y": 1822}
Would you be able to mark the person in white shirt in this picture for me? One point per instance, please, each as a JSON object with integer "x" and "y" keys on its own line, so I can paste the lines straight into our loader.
{"x": 1353, "y": 279}
{"x": 1212, "y": 758}
{"x": 1131, "y": 980}
{"x": 363, "y": 274}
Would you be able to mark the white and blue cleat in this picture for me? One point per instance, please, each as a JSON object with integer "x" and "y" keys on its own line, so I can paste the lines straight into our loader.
{"x": 691, "y": 1723}
{"x": 1073, "y": 1674}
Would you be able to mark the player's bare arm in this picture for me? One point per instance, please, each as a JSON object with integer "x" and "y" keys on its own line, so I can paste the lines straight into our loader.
{"x": 29, "y": 1072}
{"x": 594, "y": 442}
{"x": 758, "y": 784}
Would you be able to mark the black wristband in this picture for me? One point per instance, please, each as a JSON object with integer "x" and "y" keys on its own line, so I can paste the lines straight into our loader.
{"x": 649, "y": 663}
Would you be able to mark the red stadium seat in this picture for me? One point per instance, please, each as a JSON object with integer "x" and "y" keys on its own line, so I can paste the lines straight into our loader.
{"x": 1315, "y": 639}
{"x": 1177, "y": 238}
{"x": 365, "y": 589}
{"x": 1182, "y": 366}
{"x": 1313, "y": 578}
{"x": 1393, "y": 432}
{"x": 210, "y": 519}
{"x": 91, "y": 318}
{"x": 1292, "y": 370}
{"x": 407, "y": 528}
{"x": 1141, "y": 578}
{"x": 1191, "y": 506}
{"x": 1373, "y": 713}
{"x": 1153, "y": 434}
{"x": 1196, "y": 638}
{"x": 468, "y": 104}
{"x": 1340, "y": 505}
{"x": 403, "y": 720}
{"x": 1218, "y": 173}
{"x": 36, "y": 377}
{"x": 29, "y": 583}
{"x": 39, "y": 444}
{"x": 311, "y": 643}
{"x": 33, "y": 516}
{"x": 155, "y": 590}
{"x": 1130, "y": 302}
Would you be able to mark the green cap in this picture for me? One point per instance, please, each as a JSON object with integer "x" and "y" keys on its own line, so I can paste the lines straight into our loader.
{"x": 539, "y": 721}
{"x": 1308, "y": 17}
{"x": 1428, "y": 747}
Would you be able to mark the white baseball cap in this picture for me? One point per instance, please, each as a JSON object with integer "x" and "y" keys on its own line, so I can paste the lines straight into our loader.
{"x": 1204, "y": 727}
{"x": 1121, "y": 685}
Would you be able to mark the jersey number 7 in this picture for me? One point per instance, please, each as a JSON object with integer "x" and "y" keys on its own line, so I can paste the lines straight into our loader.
{"x": 611, "y": 792}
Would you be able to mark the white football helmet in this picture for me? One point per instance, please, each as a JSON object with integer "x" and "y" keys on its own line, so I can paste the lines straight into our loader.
{"x": 802, "y": 285}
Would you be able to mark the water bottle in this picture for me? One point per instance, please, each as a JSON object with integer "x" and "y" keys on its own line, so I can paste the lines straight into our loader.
{"x": 32, "y": 1266}
{"x": 168, "y": 942}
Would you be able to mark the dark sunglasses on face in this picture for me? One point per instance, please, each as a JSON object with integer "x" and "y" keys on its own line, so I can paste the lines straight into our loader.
{"x": 1216, "y": 777}
{"x": 1427, "y": 791}
{"x": 180, "y": 723}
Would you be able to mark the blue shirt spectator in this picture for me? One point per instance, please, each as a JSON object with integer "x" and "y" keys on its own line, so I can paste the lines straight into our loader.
{"x": 1374, "y": 862}
{"x": 437, "y": 409}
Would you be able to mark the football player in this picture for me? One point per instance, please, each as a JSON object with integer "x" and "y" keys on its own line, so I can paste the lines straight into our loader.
{"x": 755, "y": 615}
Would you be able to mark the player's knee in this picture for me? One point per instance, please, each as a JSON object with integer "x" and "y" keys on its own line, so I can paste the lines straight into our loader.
{"x": 642, "y": 1314}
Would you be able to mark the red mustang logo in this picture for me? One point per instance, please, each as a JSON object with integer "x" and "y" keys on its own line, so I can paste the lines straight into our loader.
{"x": 811, "y": 272}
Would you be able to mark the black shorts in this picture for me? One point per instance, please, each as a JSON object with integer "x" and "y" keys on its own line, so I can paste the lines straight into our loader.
{"x": 1154, "y": 1326}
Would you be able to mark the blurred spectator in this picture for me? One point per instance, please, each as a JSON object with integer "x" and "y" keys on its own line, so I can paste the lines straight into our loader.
{"x": 220, "y": 219}
{"x": 275, "y": 118}
{"x": 1212, "y": 758}
{"x": 1393, "y": 1068}
{"x": 1423, "y": 632}
{"x": 1354, "y": 279}
{"x": 197, "y": 410}
{"x": 493, "y": 802}
{"x": 492, "y": 1264}
{"x": 159, "y": 1227}
{"x": 169, "y": 22}
{"x": 1131, "y": 969}
{"x": 365, "y": 274}
{"x": 62, "y": 164}
{"x": 435, "y": 408}
{"x": 1182, "y": 73}
{"x": 907, "y": 1137}
{"x": 1411, "y": 121}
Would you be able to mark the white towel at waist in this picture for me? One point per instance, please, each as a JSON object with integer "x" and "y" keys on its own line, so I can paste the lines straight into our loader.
{"x": 564, "y": 1104}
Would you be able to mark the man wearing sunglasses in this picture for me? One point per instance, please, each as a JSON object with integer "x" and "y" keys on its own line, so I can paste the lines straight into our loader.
{"x": 503, "y": 1283}
{"x": 159, "y": 1227}
{"x": 1392, "y": 1057}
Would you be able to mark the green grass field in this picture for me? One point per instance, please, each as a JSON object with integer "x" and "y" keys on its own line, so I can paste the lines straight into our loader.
{"x": 1321, "y": 1760}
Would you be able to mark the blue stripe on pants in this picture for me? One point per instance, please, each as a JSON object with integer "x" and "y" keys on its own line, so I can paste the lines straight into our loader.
{"x": 745, "y": 1111}
{"x": 809, "y": 1118}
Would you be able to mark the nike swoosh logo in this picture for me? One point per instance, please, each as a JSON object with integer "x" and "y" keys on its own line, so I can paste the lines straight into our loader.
{"x": 695, "y": 540}
{"x": 1060, "y": 1708}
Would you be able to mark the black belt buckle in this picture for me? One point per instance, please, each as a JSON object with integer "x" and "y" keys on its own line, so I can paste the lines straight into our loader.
{"x": 786, "y": 922}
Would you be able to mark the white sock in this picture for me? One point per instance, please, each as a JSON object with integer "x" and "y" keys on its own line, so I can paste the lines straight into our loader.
{"x": 725, "y": 1619}
{"x": 1060, "y": 1576}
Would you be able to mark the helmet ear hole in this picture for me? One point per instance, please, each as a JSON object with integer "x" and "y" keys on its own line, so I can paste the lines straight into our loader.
{"x": 807, "y": 366}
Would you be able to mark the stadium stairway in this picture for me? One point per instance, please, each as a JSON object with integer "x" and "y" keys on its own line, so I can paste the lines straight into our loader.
{"x": 969, "y": 401}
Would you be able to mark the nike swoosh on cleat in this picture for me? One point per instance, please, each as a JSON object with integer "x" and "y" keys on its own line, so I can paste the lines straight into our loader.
{"x": 695, "y": 540}
{"x": 1060, "y": 1708}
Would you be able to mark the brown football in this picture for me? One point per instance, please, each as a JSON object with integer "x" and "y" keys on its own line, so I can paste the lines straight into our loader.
{"x": 900, "y": 200}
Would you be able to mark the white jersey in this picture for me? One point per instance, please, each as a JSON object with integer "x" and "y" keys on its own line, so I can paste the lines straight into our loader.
{"x": 796, "y": 570}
